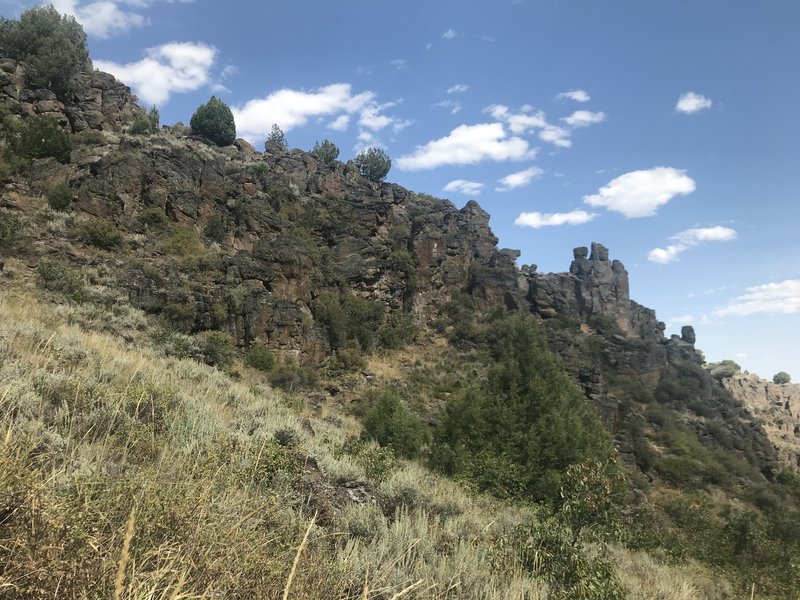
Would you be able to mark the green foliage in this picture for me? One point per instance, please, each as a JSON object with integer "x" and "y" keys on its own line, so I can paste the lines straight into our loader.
{"x": 185, "y": 243}
{"x": 327, "y": 151}
{"x": 276, "y": 140}
{"x": 348, "y": 359}
{"x": 378, "y": 462}
{"x": 59, "y": 196}
{"x": 59, "y": 276}
{"x": 152, "y": 218}
{"x": 99, "y": 233}
{"x": 52, "y": 47}
{"x": 214, "y": 120}
{"x": 155, "y": 118}
{"x": 781, "y": 377}
{"x": 14, "y": 234}
{"x": 399, "y": 330}
{"x": 260, "y": 357}
{"x": 215, "y": 229}
{"x": 41, "y": 137}
{"x": 724, "y": 369}
{"x": 348, "y": 318}
{"x": 373, "y": 163}
{"x": 389, "y": 422}
{"x": 292, "y": 376}
{"x": 216, "y": 348}
{"x": 141, "y": 125}
{"x": 518, "y": 433}
{"x": 89, "y": 137}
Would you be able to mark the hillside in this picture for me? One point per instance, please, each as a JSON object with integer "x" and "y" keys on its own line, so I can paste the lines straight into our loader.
{"x": 217, "y": 361}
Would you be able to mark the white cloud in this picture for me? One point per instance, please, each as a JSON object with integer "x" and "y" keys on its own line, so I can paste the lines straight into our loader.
{"x": 172, "y": 68}
{"x": 462, "y": 186}
{"x": 537, "y": 219}
{"x": 558, "y": 136}
{"x": 691, "y": 102}
{"x": 518, "y": 179}
{"x": 450, "y": 34}
{"x": 584, "y": 118}
{"x": 681, "y": 320}
{"x": 526, "y": 120}
{"x": 458, "y": 88}
{"x": 467, "y": 145}
{"x": 294, "y": 108}
{"x": 363, "y": 70}
{"x": 229, "y": 71}
{"x": 640, "y": 193}
{"x": 689, "y": 239}
{"x": 401, "y": 64}
{"x": 782, "y": 298}
{"x": 340, "y": 123}
{"x": 218, "y": 88}
{"x": 102, "y": 19}
{"x": 576, "y": 95}
{"x": 453, "y": 107}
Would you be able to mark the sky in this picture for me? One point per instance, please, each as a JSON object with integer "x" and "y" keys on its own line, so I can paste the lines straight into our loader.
{"x": 667, "y": 131}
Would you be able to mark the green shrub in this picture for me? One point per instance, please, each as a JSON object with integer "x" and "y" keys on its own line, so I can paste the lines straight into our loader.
{"x": 276, "y": 140}
{"x": 155, "y": 119}
{"x": 782, "y": 377}
{"x": 216, "y": 348}
{"x": 260, "y": 357}
{"x": 291, "y": 376}
{"x": 59, "y": 196}
{"x": 60, "y": 277}
{"x": 14, "y": 234}
{"x": 378, "y": 462}
{"x": 185, "y": 243}
{"x": 101, "y": 234}
{"x": 724, "y": 369}
{"x": 349, "y": 318}
{"x": 89, "y": 137}
{"x": 373, "y": 163}
{"x": 214, "y": 120}
{"x": 389, "y": 422}
{"x": 327, "y": 151}
{"x": 215, "y": 229}
{"x": 348, "y": 359}
{"x": 41, "y": 137}
{"x": 141, "y": 125}
{"x": 152, "y": 218}
{"x": 52, "y": 47}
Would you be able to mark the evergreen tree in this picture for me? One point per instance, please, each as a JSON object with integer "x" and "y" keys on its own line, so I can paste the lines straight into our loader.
{"x": 214, "y": 120}
{"x": 373, "y": 163}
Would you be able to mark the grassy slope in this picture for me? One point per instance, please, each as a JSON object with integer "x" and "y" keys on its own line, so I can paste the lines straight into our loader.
{"x": 94, "y": 428}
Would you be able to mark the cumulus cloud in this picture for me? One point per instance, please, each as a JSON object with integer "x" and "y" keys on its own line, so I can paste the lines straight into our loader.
{"x": 782, "y": 298}
{"x": 293, "y": 108}
{"x": 576, "y": 95}
{"x": 458, "y": 88}
{"x": 537, "y": 219}
{"x": 518, "y": 179}
{"x": 640, "y": 193}
{"x": 689, "y": 239}
{"x": 102, "y": 19}
{"x": 691, "y": 102}
{"x": 584, "y": 118}
{"x": 462, "y": 186}
{"x": 450, "y": 34}
{"x": 452, "y": 106}
{"x": 526, "y": 121}
{"x": 467, "y": 145}
{"x": 172, "y": 68}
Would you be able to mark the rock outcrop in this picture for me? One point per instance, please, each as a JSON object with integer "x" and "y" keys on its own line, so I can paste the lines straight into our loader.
{"x": 777, "y": 407}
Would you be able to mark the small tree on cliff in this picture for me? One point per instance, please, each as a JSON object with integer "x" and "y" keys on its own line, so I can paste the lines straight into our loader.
{"x": 214, "y": 120}
{"x": 373, "y": 163}
{"x": 276, "y": 140}
{"x": 327, "y": 151}
{"x": 782, "y": 377}
{"x": 51, "y": 46}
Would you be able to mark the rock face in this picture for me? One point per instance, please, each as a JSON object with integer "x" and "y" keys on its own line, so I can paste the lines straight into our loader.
{"x": 777, "y": 406}
{"x": 594, "y": 290}
{"x": 96, "y": 100}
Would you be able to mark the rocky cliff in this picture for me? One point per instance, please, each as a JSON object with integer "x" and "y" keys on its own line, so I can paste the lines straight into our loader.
{"x": 777, "y": 407}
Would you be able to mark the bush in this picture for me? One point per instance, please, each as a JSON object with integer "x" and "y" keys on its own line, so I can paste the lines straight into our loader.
{"x": 217, "y": 348}
{"x": 724, "y": 369}
{"x": 101, "y": 234}
{"x": 155, "y": 119}
{"x": 782, "y": 377}
{"x": 215, "y": 229}
{"x": 60, "y": 277}
{"x": 141, "y": 125}
{"x": 390, "y": 423}
{"x": 152, "y": 218}
{"x": 59, "y": 196}
{"x": 260, "y": 357}
{"x": 291, "y": 376}
{"x": 373, "y": 163}
{"x": 14, "y": 236}
{"x": 214, "y": 120}
{"x": 276, "y": 140}
{"x": 52, "y": 47}
{"x": 348, "y": 318}
{"x": 327, "y": 151}
{"x": 89, "y": 137}
{"x": 41, "y": 137}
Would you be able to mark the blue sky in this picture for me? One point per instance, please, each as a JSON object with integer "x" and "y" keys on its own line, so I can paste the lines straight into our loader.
{"x": 667, "y": 131}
